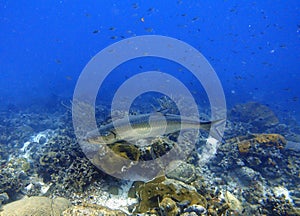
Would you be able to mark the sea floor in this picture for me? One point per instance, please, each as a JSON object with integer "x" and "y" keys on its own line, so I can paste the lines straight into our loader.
{"x": 255, "y": 171}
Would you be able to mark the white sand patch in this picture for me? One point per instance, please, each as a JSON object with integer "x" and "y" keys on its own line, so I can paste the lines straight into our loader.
{"x": 282, "y": 191}
{"x": 101, "y": 196}
{"x": 209, "y": 150}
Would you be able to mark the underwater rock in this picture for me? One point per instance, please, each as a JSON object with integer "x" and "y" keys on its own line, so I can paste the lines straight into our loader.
{"x": 259, "y": 116}
{"x": 197, "y": 209}
{"x": 246, "y": 143}
{"x": 92, "y": 209}
{"x": 38, "y": 206}
{"x": 233, "y": 202}
{"x": 12, "y": 137}
{"x": 145, "y": 151}
{"x": 294, "y": 138}
{"x": 181, "y": 171}
{"x": 168, "y": 207}
{"x": 121, "y": 158}
{"x": 111, "y": 162}
{"x": 263, "y": 153}
{"x": 130, "y": 152}
{"x": 275, "y": 206}
{"x": 14, "y": 176}
{"x": 254, "y": 193}
{"x": 254, "y": 164}
{"x": 3, "y": 199}
{"x": 132, "y": 193}
{"x": 247, "y": 175}
{"x": 153, "y": 192}
{"x": 293, "y": 164}
{"x": 293, "y": 146}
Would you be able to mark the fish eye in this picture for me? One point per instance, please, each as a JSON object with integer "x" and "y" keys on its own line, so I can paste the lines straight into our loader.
{"x": 109, "y": 134}
{"x": 106, "y": 134}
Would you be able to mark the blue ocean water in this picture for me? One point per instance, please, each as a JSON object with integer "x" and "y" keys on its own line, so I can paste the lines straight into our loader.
{"x": 254, "y": 49}
{"x": 253, "y": 46}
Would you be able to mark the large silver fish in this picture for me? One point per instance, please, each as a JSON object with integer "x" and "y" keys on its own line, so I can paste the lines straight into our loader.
{"x": 146, "y": 126}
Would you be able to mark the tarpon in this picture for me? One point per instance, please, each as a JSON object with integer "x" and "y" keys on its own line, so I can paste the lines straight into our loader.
{"x": 144, "y": 126}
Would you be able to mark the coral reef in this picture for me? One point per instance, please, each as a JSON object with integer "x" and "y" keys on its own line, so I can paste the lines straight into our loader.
{"x": 260, "y": 117}
{"x": 278, "y": 206}
{"x": 251, "y": 141}
{"x": 253, "y": 173}
{"x": 14, "y": 176}
{"x": 153, "y": 195}
{"x": 253, "y": 163}
{"x": 260, "y": 152}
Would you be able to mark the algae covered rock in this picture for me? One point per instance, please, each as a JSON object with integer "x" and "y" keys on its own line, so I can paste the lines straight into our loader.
{"x": 168, "y": 207}
{"x": 264, "y": 140}
{"x": 129, "y": 152}
{"x": 153, "y": 195}
{"x": 261, "y": 152}
{"x": 38, "y": 206}
{"x": 253, "y": 150}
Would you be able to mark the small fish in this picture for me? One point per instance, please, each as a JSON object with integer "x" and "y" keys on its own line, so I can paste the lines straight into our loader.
{"x": 139, "y": 128}
{"x": 113, "y": 37}
{"x": 58, "y": 61}
{"x": 69, "y": 78}
{"x": 135, "y": 5}
{"x": 195, "y": 19}
{"x": 282, "y": 46}
{"x": 149, "y": 29}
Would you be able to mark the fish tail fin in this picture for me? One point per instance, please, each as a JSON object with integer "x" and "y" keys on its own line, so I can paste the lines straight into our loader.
{"x": 216, "y": 129}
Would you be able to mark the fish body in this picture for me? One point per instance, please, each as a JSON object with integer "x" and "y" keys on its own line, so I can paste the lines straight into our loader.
{"x": 144, "y": 126}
